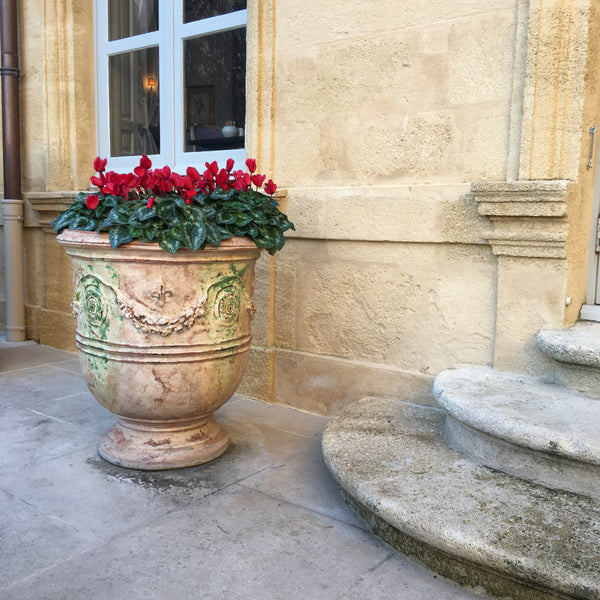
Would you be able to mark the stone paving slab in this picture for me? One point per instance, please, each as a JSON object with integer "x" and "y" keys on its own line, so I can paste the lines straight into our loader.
{"x": 32, "y": 541}
{"x": 264, "y": 521}
{"x": 469, "y": 522}
{"x": 294, "y": 481}
{"x": 15, "y": 355}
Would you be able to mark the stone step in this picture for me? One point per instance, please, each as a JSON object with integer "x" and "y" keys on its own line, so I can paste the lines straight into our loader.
{"x": 518, "y": 424}
{"x": 577, "y": 354}
{"x": 485, "y": 529}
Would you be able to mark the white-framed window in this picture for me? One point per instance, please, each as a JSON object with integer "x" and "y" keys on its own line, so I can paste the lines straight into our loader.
{"x": 170, "y": 81}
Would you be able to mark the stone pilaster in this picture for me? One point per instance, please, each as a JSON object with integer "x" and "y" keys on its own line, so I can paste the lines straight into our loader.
{"x": 555, "y": 87}
{"x": 528, "y": 236}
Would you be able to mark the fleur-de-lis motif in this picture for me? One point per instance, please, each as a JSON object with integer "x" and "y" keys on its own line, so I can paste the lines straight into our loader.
{"x": 160, "y": 294}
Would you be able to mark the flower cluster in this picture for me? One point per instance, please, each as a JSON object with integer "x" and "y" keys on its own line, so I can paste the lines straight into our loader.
{"x": 179, "y": 211}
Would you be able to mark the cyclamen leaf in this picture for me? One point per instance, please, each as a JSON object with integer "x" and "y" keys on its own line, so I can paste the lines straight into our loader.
{"x": 220, "y": 194}
{"x": 213, "y": 235}
{"x": 83, "y": 223}
{"x": 119, "y": 215}
{"x": 197, "y": 236}
{"x": 167, "y": 211}
{"x": 210, "y": 213}
{"x": 110, "y": 201}
{"x": 119, "y": 235}
{"x": 167, "y": 242}
{"x": 62, "y": 221}
{"x": 258, "y": 217}
{"x": 107, "y": 224}
{"x": 151, "y": 232}
{"x": 180, "y": 202}
{"x": 227, "y": 218}
{"x": 237, "y": 206}
{"x": 243, "y": 220}
{"x": 225, "y": 233}
{"x": 136, "y": 232}
{"x": 143, "y": 213}
{"x": 194, "y": 213}
{"x": 185, "y": 235}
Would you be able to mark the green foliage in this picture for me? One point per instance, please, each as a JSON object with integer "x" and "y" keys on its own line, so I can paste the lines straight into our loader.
{"x": 174, "y": 224}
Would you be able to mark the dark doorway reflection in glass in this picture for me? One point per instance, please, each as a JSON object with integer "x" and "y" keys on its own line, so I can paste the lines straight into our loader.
{"x": 127, "y": 18}
{"x": 134, "y": 103}
{"x": 215, "y": 91}
{"x": 195, "y": 10}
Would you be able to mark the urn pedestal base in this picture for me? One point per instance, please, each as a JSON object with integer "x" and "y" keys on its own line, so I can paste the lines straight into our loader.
{"x": 143, "y": 446}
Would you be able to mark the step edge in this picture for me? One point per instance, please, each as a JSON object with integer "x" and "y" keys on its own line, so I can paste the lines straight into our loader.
{"x": 541, "y": 468}
{"x": 468, "y": 550}
{"x": 550, "y": 343}
{"x": 551, "y": 441}
{"x": 469, "y": 574}
{"x": 533, "y": 574}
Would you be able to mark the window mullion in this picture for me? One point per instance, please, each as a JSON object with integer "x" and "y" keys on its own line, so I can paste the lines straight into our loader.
{"x": 136, "y": 42}
{"x": 166, "y": 83}
{"x": 212, "y": 25}
{"x": 178, "y": 84}
{"x": 102, "y": 91}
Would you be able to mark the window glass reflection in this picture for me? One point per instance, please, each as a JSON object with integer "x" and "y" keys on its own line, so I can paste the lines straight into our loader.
{"x": 215, "y": 91}
{"x": 131, "y": 17}
{"x": 134, "y": 103}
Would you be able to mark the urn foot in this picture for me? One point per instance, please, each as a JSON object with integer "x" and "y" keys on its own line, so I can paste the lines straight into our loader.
{"x": 154, "y": 447}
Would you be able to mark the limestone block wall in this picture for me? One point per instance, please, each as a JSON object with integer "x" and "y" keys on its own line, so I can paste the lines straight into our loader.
{"x": 376, "y": 122}
{"x": 418, "y": 93}
{"x": 58, "y": 145}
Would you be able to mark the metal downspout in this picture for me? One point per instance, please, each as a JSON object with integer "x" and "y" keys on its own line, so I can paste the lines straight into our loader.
{"x": 12, "y": 204}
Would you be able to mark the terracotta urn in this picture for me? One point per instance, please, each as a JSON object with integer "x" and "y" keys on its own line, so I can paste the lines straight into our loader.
{"x": 163, "y": 341}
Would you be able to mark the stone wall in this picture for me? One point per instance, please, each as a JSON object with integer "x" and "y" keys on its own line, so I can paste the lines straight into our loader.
{"x": 382, "y": 118}
{"x": 58, "y": 145}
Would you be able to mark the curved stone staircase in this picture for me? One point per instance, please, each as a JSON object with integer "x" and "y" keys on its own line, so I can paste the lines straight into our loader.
{"x": 500, "y": 488}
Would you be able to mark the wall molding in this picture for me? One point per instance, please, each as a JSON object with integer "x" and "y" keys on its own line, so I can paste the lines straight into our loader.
{"x": 529, "y": 217}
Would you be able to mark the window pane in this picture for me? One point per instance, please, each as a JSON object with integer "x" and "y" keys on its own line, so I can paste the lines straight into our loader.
{"x": 131, "y": 17}
{"x": 194, "y": 10}
{"x": 134, "y": 106}
{"x": 215, "y": 91}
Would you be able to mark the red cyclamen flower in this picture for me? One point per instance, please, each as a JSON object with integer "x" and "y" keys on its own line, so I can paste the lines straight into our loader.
{"x": 270, "y": 187}
{"x": 91, "y": 201}
{"x": 222, "y": 179}
{"x": 251, "y": 164}
{"x": 100, "y": 164}
{"x": 161, "y": 181}
{"x": 193, "y": 174}
{"x": 213, "y": 167}
{"x": 150, "y": 202}
{"x": 258, "y": 180}
{"x": 242, "y": 181}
